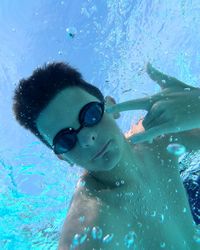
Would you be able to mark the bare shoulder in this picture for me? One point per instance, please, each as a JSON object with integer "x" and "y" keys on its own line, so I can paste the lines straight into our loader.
{"x": 82, "y": 214}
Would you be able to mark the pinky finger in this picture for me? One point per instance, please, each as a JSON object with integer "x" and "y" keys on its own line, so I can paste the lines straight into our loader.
{"x": 154, "y": 132}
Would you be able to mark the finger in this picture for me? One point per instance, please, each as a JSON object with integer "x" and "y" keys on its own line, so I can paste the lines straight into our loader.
{"x": 154, "y": 132}
{"x": 159, "y": 120}
{"x": 142, "y": 103}
{"x": 163, "y": 80}
{"x": 151, "y": 119}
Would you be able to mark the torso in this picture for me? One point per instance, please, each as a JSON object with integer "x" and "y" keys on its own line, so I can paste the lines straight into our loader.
{"x": 155, "y": 208}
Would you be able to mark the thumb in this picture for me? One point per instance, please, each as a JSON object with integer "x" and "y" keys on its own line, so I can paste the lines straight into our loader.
{"x": 141, "y": 137}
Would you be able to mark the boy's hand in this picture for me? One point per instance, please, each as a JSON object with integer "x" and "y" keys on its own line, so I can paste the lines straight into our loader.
{"x": 176, "y": 108}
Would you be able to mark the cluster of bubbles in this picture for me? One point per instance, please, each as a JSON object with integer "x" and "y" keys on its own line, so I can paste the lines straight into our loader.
{"x": 97, "y": 234}
{"x": 196, "y": 236}
{"x": 79, "y": 239}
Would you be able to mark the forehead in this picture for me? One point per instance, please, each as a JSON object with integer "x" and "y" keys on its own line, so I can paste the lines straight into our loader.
{"x": 62, "y": 112}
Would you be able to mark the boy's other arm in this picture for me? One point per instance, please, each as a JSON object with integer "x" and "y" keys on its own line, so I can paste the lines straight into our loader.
{"x": 190, "y": 138}
{"x": 83, "y": 214}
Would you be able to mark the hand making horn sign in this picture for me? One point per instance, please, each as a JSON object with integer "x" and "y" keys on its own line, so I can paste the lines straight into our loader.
{"x": 176, "y": 108}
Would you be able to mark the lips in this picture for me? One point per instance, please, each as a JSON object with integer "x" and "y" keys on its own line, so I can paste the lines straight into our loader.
{"x": 102, "y": 150}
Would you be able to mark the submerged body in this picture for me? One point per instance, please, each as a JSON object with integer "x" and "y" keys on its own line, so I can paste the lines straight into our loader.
{"x": 153, "y": 208}
{"x": 129, "y": 188}
{"x": 157, "y": 212}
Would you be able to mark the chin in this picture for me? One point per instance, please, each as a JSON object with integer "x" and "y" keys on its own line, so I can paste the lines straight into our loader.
{"x": 111, "y": 158}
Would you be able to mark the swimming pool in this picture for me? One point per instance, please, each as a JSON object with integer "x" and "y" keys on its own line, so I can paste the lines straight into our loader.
{"x": 110, "y": 43}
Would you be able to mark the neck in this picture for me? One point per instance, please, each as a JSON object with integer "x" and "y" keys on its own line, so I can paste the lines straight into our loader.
{"x": 123, "y": 174}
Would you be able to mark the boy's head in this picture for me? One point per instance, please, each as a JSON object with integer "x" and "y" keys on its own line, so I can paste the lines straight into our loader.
{"x": 50, "y": 100}
{"x": 34, "y": 93}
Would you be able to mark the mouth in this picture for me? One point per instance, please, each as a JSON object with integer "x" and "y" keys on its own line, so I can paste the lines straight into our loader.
{"x": 100, "y": 153}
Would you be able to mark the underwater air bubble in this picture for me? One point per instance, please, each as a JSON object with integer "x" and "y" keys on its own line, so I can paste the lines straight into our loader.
{"x": 196, "y": 236}
{"x": 117, "y": 183}
{"x": 176, "y": 149}
{"x": 184, "y": 210}
{"x": 153, "y": 214}
{"x": 162, "y": 245}
{"x": 79, "y": 239}
{"x": 129, "y": 239}
{"x": 187, "y": 89}
{"x": 82, "y": 218}
{"x": 71, "y": 32}
{"x": 97, "y": 233}
{"x": 108, "y": 238}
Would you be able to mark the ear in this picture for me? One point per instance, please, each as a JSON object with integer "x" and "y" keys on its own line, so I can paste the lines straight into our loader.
{"x": 110, "y": 101}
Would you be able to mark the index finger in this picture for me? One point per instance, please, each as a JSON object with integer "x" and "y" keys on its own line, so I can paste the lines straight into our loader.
{"x": 141, "y": 103}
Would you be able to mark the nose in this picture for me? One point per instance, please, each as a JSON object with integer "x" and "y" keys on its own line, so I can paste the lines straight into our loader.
{"x": 87, "y": 138}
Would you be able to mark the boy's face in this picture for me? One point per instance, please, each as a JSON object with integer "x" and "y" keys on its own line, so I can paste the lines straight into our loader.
{"x": 63, "y": 112}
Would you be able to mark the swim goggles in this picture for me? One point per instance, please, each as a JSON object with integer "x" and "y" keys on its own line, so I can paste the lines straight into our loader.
{"x": 90, "y": 115}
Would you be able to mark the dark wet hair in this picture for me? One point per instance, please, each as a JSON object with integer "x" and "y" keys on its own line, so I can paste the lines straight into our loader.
{"x": 33, "y": 94}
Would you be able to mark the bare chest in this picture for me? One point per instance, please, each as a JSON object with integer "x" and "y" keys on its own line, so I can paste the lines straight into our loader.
{"x": 151, "y": 214}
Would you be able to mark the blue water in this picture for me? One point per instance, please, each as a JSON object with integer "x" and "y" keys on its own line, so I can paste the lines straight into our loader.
{"x": 109, "y": 42}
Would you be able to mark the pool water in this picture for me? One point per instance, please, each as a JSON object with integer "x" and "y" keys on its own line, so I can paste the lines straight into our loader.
{"x": 110, "y": 42}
